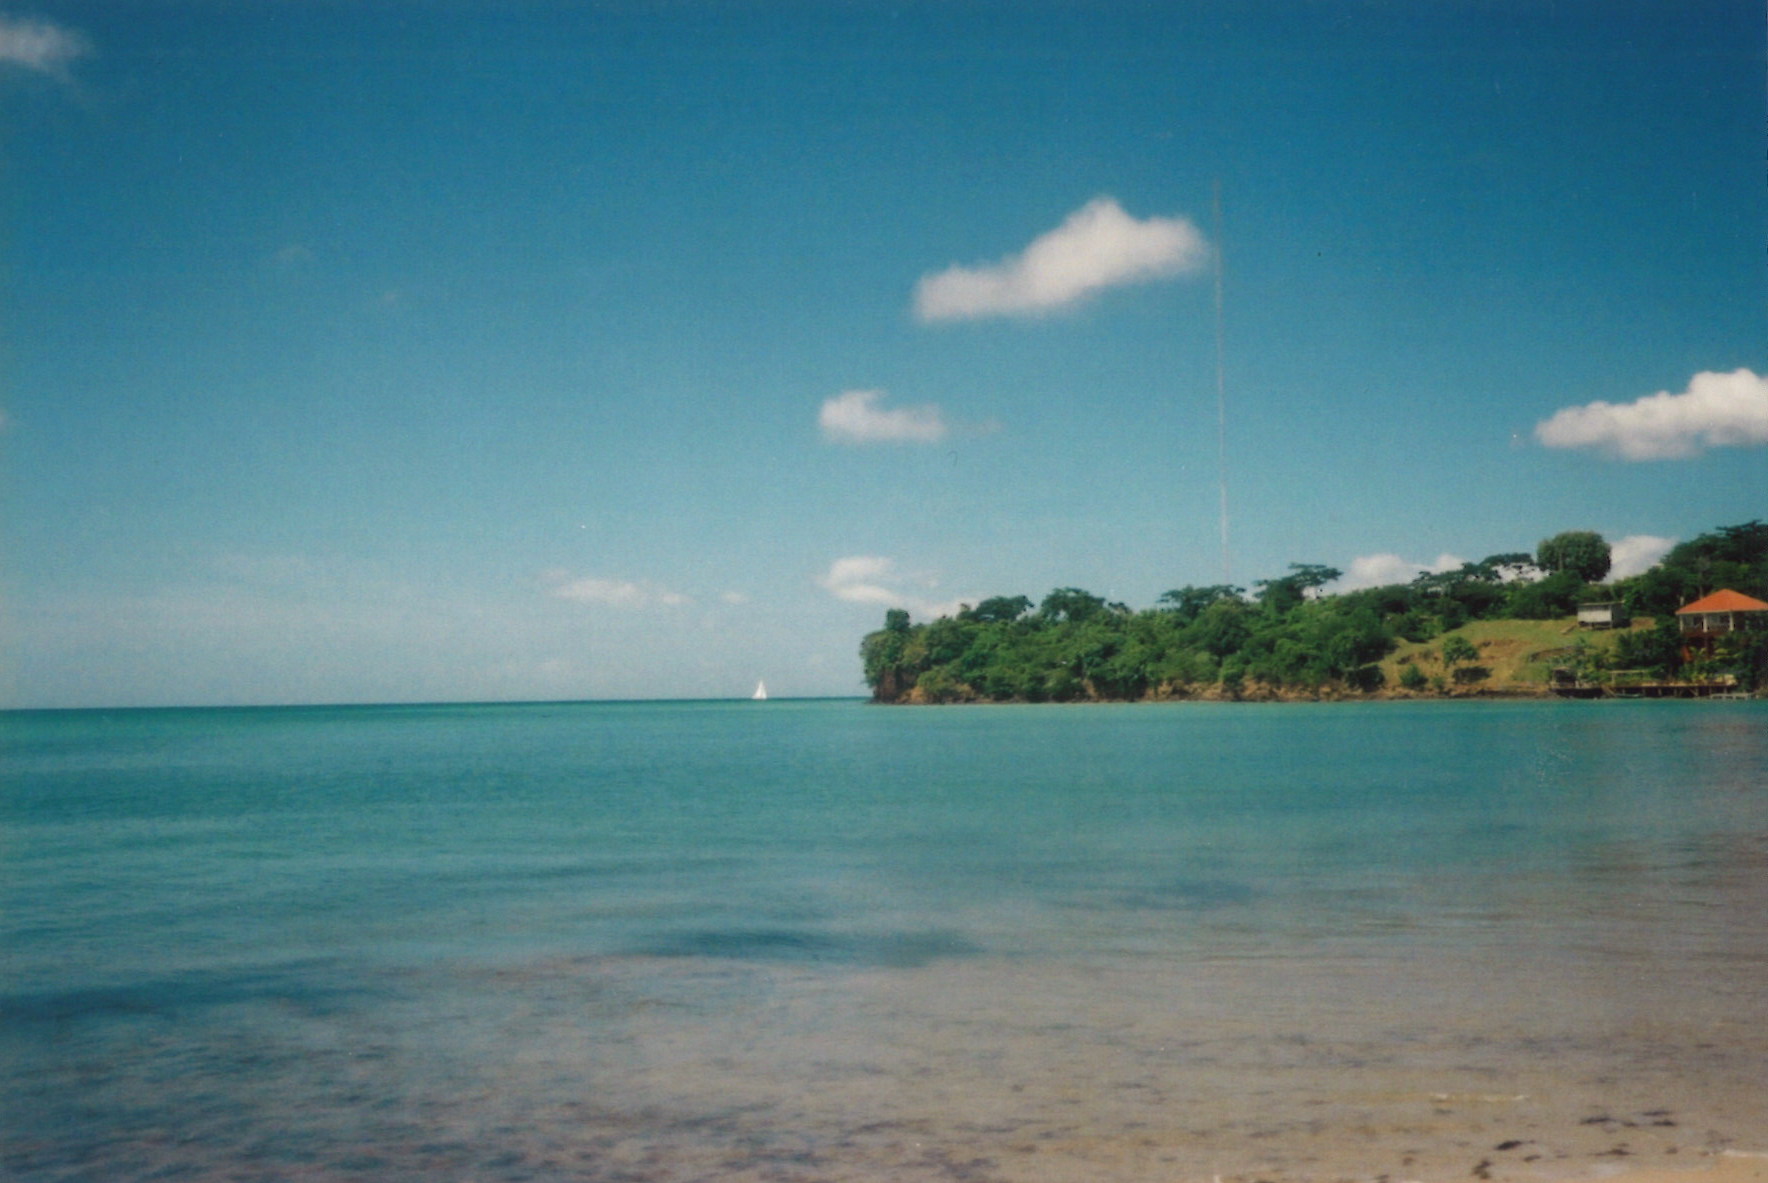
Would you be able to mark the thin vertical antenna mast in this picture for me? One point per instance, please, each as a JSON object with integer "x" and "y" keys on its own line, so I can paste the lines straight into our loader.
{"x": 1221, "y": 384}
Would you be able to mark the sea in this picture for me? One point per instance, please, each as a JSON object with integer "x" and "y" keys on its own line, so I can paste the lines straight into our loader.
{"x": 825, "y": 940}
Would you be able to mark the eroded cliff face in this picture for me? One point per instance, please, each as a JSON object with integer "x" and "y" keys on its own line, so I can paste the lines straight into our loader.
{"x": 891, "y": 688}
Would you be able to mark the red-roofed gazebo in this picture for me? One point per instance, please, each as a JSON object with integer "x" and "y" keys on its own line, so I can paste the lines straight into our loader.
{"x": 1711, "y": 617}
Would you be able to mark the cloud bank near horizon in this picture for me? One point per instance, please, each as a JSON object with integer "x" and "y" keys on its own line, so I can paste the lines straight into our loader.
{"x": 1717, "y": 410}
{"x": 1631, "y": 555}
{"x": 1636, "y": 554}
{"x": 1098, "y": 246}
{"x": 1380, "y": 570}
{"x": 40, "y": 46}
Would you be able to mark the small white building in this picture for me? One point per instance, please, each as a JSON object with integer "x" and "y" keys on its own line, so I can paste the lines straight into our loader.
{"x": 1608, "y": 615}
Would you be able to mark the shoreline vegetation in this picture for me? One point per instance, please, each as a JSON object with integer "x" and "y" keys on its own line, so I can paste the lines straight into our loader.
{"x": 1501, "y": 627}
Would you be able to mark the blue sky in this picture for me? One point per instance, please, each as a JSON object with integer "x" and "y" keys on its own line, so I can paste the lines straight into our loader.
{"x": 394, "y": 351}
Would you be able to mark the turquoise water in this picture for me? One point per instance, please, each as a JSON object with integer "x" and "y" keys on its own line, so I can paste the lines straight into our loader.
{"x": 806, "y": 940}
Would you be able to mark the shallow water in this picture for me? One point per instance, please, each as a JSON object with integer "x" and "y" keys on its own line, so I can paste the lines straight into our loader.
{"x": 816, "y": 940}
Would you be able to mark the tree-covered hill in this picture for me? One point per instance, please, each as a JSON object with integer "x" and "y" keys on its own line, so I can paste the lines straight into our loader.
{"x": 1288, "y": 636}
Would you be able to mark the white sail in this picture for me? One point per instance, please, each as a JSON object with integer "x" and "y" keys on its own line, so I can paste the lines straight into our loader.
{"x": 760, "y": 694}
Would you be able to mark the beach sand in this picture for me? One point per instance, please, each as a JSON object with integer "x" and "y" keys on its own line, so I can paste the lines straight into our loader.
{"x": 1731, "y": 1166}
{"x": 1085, "y": 1078}
{"x": 1727, "y": 1166}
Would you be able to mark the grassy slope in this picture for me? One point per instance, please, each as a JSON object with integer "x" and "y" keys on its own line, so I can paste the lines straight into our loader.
{"x": 1518, "y": 652}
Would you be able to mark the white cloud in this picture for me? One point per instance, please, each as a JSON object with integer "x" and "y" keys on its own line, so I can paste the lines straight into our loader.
{"x": 854, "y": 579}
{"x": 1098, "y": 246}
{"x": 615, "y": 593}
{"x": 1717, "y": 410}
{"x": 1636, "y": 553}
{"x": 856, "y": 417}
{"x": 39, "y": 45}
{"x": 867, "y": 579}
{"x": 295, "y": 254}
{"x": 1379, "y": 570}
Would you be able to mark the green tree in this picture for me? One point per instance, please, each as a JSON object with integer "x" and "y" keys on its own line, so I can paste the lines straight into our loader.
{"x": 1472, "y": 591}
{"x": 948, "y": 639}
{"x": 1457, "y": 652}
{"x": 1285, "y": 594}
{"x": 1181, "y": 669}
{"x": 997, "y": 610}
{"x": 1347, "y": 642}
{"x": 893, "y": 657}
{"x": 938, "y": 685}
{"x": 1657, "y": 652}
{"x": 1187, "y": 603}
{"x": 1547, "y": 598}
{"x": 1730, "y": 556}
{"x": 1070, "y": 605}
{"x": 1233, "y": 676}
{"x": 1309, "y": 576}
{"x": 1221, "y": 629}
{"x": 1581, "y": 552}
{"x": 1746, "y": 656}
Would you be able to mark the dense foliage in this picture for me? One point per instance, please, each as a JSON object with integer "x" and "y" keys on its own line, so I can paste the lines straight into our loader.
{"x": 1582, "y": 552}
{"x": 1289, "y": 634}
{"x": 1734, "y": 557}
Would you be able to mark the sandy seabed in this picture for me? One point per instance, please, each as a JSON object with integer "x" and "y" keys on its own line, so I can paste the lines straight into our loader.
{"x": 981, "y": 1070}
{"x": 1599, "y": 1009}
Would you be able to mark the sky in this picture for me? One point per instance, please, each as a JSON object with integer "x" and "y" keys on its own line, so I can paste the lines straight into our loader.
{"x": 386, "y": 351}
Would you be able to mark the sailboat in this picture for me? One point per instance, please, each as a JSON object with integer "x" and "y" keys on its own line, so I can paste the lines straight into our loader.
{"x": 760, "y": 694}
